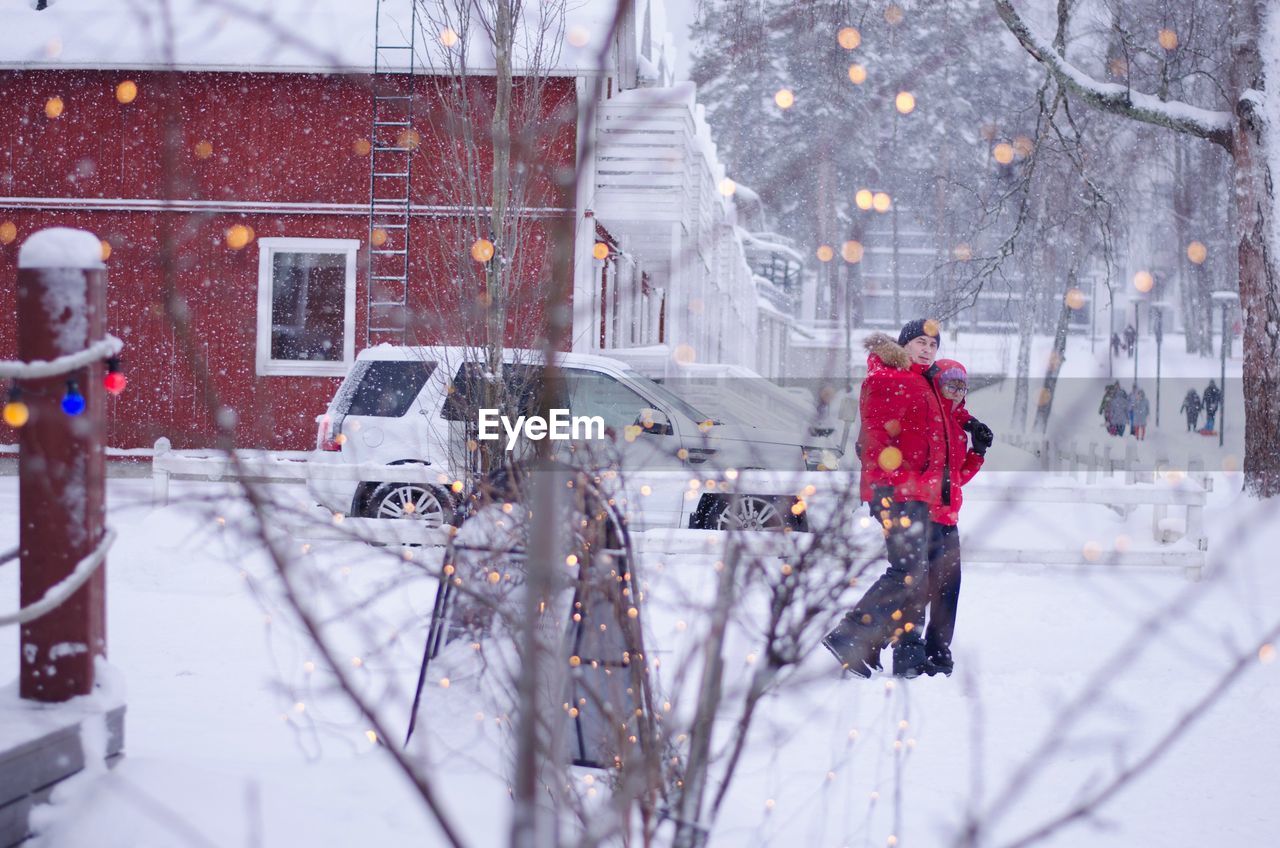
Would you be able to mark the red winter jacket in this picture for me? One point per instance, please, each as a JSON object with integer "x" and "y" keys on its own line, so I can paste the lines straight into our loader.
{"x": 964, "y": 462}
{"x": 905, "y": 436}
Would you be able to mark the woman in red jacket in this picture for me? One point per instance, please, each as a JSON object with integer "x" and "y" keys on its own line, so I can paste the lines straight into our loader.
{"x": 952, "y": 382}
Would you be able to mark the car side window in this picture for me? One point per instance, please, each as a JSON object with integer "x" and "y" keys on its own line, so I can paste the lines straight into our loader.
{"x": 522, "y": 389}
{"x": 593, "y": 393}
{"x": 465, "y": 393}
{"x": 385, "y": 388}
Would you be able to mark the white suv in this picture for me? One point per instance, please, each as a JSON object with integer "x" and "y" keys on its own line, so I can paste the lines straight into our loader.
{"x": 418, "y": 406}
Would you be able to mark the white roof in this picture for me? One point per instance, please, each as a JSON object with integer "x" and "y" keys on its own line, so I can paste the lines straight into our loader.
{"x": 301, "y": 36}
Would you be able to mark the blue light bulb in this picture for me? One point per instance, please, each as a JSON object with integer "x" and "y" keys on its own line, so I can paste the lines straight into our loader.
{"x": 73, "y": 402}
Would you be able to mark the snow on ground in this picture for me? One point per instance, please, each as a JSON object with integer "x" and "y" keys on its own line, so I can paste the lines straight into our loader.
{"x": 232, "y": 737}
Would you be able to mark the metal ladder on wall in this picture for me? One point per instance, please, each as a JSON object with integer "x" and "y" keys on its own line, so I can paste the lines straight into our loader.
{"x": 392, "y": 143}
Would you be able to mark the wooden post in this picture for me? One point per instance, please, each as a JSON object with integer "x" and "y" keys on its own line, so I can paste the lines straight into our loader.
{"x": 61, "y": 309}
{"x": 1195, "y": 513}
{"x": 1130, "y": 463}
{"x": 1195, "y": 470}
{"x": 160, "y": 477}
{"x": 1091, "y": 471}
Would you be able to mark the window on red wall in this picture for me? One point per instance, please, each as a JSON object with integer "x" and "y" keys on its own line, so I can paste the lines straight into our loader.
{"x": 306, "y": 305}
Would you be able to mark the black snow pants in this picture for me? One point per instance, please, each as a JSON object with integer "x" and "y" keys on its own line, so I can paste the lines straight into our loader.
{"x": 944, "y": 586}
{"x": 895, "y": 604}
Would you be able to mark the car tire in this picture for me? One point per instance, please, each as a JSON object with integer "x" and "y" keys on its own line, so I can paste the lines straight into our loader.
{"x": 414, "y": 501}
{"x": 746, "y": 512}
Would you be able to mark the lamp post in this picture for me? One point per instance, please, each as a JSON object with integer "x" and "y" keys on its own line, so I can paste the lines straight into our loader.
{"x": 1225, "y": 300}
{"x": 1093, "y": 316}
{"x": 1136, "y": 336}
{"x": 1157, "y": 328}
{"x": 1111, "y": 334}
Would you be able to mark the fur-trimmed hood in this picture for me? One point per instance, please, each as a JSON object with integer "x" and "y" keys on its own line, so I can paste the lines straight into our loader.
{"x": 890, "y": 352}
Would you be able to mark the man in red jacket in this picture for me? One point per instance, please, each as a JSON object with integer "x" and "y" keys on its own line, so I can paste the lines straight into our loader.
{"x": 904, "y": 448}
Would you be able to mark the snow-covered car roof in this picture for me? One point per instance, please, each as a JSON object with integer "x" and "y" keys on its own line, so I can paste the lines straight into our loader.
{"x": 456, "y": 354}
{"x": 298, "y": 36}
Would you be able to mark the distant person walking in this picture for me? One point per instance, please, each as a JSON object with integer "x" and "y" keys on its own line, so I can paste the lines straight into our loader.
{"x": 1118, "y": 411}
{"x": 1212, "y": 401}
{"x": 1191, "y": 406}
{"x": 1139, "y": 410}
{"x": 1130, "y": 336}
{"x": 1115, "y": 344}
{"x": 1104, "y": 408}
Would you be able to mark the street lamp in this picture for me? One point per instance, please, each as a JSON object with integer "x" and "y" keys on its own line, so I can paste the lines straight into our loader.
{"x": 1111, "y": 335}
{"x": 1157, "y": 329}
{"x": 1137, "y": 334}
{"x": 1093, "y": 315}
{"x": 1225, "y": 299}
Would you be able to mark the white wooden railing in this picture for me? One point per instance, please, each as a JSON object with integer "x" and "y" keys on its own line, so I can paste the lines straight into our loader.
{"x": 1097, "y": 475}
{"x": 1091, "y": 476}
{"x": 295, "y": 467}
{"x": 273, "y": 467}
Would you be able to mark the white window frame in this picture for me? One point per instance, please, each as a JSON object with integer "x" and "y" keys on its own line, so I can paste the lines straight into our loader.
{"x": 267, "y": 248}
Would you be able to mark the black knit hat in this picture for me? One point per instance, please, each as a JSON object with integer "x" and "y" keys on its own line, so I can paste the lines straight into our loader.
{"x": 917, "y": 328}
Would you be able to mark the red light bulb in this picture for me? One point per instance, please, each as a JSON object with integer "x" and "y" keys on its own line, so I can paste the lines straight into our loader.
{"x": 114, "y": 382}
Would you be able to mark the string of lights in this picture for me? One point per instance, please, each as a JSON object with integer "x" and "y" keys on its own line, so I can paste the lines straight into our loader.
{"x": 16, "y": 413}
{"x": 59, "y": 592}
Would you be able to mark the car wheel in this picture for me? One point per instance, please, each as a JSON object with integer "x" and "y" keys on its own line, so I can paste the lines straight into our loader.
{"x": 409, "y": 500}
{"x": 747, "y": 512}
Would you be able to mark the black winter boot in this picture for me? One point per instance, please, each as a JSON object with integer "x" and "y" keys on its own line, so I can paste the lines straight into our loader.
{"x": 940, "y": 662}
{"x": 854, "y": 647}
{"x": 909, "y": 659}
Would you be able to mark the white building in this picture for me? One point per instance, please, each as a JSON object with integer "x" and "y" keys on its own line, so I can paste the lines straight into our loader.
{"x": 676, "y": 291}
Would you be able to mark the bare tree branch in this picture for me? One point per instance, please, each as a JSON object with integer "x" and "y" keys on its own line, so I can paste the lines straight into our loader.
{"x": 1117, "y": 99}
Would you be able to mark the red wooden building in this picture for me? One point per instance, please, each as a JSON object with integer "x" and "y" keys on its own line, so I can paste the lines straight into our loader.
{"x": 227, "y": 168}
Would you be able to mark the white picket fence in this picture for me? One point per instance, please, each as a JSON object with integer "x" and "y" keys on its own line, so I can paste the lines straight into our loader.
{"x": 294, "y": 467}
{"x": 272, "y": 467}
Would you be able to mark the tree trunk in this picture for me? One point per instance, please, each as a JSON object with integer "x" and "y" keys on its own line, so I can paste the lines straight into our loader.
{"x": 1189, "y": 276}
{"x": 1260, "y": 303}
{"x": 1026, "y": 324}
{"x": 692, "y": 829}
{"x": 496, "y": 269}
{"x": 1259, "y": 297}
{"x": 1044, "y": 404}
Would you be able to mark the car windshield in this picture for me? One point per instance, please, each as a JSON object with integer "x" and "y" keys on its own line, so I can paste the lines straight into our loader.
{"x": 667, "y": 396}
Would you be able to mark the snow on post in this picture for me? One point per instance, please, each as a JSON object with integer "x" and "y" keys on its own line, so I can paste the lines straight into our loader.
{"x": 61, "y": 247}
{"x": 61, "y": 310}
